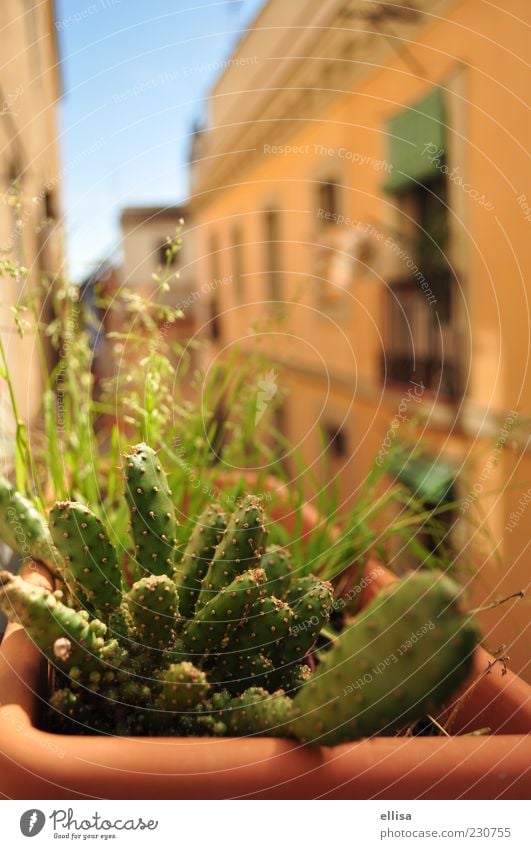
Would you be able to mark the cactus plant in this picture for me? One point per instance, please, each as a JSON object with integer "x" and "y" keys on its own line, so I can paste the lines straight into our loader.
{"x": 23, "y": 528}
{"x": 278, "y": 568}
{"x": 195, "y": 561}
{"x": 91, "y": 567}
{"x": 400, "y": 659}
{"x": 239, "y": 549}
{"x": 69, "y": 639}
{"x": 153, "y": 521}
{"x": 224, "y": 641}
{"x": 152, "y": 605}
{"x": 212, "y": 626}
{"x": 183, "y": 687}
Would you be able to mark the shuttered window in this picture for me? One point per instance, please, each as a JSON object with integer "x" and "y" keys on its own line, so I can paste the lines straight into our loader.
{"x": 416, "y": 138}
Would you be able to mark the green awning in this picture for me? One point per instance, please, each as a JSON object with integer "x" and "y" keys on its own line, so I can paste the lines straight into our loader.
{"x": 416, "y": 142}
{"x": 429, "y": 479}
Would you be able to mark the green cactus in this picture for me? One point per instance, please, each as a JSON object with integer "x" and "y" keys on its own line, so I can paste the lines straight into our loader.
{"x": 71, "y": 713}
{"x": 152, "y": 607}
{"x": 279, "y": 570}
{"x": 133, "y": 693}
{"x": 91, "y": 565}
{"x": 401, "y": 658}
{"x": 311, "y": 602}
{"x": 231, "y": 661}
{"x": 120, "y": 623}
{"x": 201, "y": 724}
{"x": 257, "y": 712}
{"x": 23, "y": 528}
{"x": 153, "y": 520}
{"x": 292, "y": 679}
{"x": 240, "y": 549}
{"x": 183, "y": 688}
{"x": 214, "y": 622}
{"x": 268, "y": 623}
{"x": 299, "y": 588}
{"x": 197, "y": 556}
{"x": 67, "y": 638}
{"x": 236, "y": 672}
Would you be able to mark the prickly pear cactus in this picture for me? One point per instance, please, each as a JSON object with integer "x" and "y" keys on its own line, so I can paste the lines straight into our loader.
{"x": 400, "y": 659}
{"x": 227, "y": 640}
{"x": 69, "y": 639}
{"x": 278, "y": 567}
{"x": 183, "y": 688}
{"x": 91, "y": 567}
{"x": 153, "y": 520}
{"x": 223, "y": 614}
{"x": 257, "y": 712}
{"x": 238, "y": 551}
{"x": 189, "y": 575}
{"x": 152, "y": 605}
{"x": 269, "y": 622}
{"x": 24, "y": 529}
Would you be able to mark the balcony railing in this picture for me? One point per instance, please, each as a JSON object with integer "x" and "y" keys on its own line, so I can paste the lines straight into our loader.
{"x": 420, "y": 337}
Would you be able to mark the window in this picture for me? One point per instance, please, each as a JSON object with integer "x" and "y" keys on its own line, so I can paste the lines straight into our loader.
{"x": 419, "y": 332}
{"x": 237, "y": 264}
{"x": 50, "y": 206}
{"x": 215, "y": 323}
{"x": 214, "y": 304}
{"x": 416, "y": 142}
{"x": 14, "y": 193}
{"x": 272, "y": 258}
{"x": 336, "y": 440}
{"x": 328, "y": 201}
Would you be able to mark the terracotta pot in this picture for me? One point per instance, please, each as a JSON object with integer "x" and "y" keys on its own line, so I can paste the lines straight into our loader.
{"x": 38, "y": 765}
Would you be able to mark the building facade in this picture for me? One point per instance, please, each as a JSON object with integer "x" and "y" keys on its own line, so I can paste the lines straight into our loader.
{"x": 146, "y": 233}
{"x": 360, "y": 182}
{"x": 30, "y": 190}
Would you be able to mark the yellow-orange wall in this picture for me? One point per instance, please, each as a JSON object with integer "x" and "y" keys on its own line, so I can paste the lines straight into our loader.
{"x": 476, "y": 51}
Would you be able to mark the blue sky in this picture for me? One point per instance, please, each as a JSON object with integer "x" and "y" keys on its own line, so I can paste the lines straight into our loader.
{"x": 134, "y": 78}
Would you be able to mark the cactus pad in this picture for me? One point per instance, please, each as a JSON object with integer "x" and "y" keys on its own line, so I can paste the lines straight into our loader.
{"x": 24, "y": 529}
{"x": 197, "y": 556}
{"x": 91, "y": 566}
{"x": 152, "y": 606}
{"x": 153, "y": 521}
{"x": 209, "y": 629}
{"x": 240, "y": 549}
{"x": 403, "y": 656}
